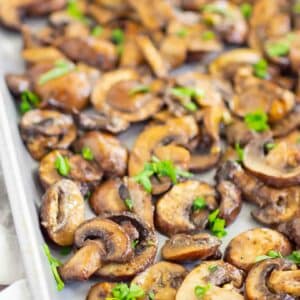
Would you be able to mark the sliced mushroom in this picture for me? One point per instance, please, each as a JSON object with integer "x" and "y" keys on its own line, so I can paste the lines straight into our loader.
{"x": 182, "y": 247}
{"x": 279, "y": 168}
{"x": 99, "y": 240}
{"x": 174, "y": 212}
{"x": 100, "y": 291}
{"x": 86, "y": 173}
{"x": 62, "y": 211}
{"x": 243, "y": 250}
{"x": 224, "y": 279}
{"x": 291, "y": 229}
{"x": 111, "y": 197}
{"x": 45, "y": 130}
{"x": 162, "y": 280}
{"x": 144, "y": 251}
{"x": 108, "y": 152}
{"x": 258, "y": 280}
{"x": 17, "y": 83}
{"x": 41, "y": 55}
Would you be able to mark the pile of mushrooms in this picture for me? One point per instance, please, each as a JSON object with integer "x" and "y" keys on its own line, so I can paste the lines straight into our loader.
{"x": 209, "y": 89}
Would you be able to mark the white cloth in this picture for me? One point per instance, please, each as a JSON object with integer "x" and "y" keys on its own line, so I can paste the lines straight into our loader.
{"x": 16, "y": 291}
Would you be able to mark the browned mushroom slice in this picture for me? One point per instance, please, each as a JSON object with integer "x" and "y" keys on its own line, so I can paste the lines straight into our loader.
{"x": 280, "y": 167}
{"x": 243, "y": 250}
{"x": 17, "y": 83}
{"x": 100, "y": 291}
{"x": 145, "y": 249}
{"x": 182, "y": 247}
{"x": 62, "y": 211}
{"x": 108, "y": 152}
{"x": 174, "y": 213}
{"x": 223, "y": 278}
{"x": 292, "y": 230}
{"x": 86, "y": 173}
{"x": 231, "y": 201}
{"x": 161, "y": 280}
{"x": 45, "y": 130}
{"x": 41, "y": 55}
{"x": 258, "y": 280}
{"x": 94, "y": 52}
{"x": 99, "y": 241}
{"x": 115, "y": 196}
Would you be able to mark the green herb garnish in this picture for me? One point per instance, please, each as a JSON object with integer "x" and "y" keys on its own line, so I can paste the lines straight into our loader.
{"x": 29, "y": 101}
{"x": 270, "y": 146}
{"x": 212, "y": 268}
{"x": 260, "y": 69}
{"x": 199, "y": 203}
{"x": 182, "y": 32}
{"x": 74, "y": 11}
{"x": 187, "y": 92}
{"x": 118, "y": 36}
{"x": 296, "y": 8}
{"x": 151, "y": 296}
{"x": 240, "y": 152}
{"x": 208, "y": 35}
{"x": 257, "y": 121}
{"x": 87, "y": 196}
{"x": 216, "y": 224}
{"x": 200, "y": 291}
{"x": 122, "y": 291}
{"x": 87, "y": 153}
{"x": 139, "y": 89}
{"x": 246, "y": 10}
{"x": 279, "y": 48}
{"x": 62, "y": 165}
{"x": 270, "y": 254}
{"x": 129, "y": 204}
{"x": 134, "y": 243}
{"x": 159, "y": 168}
{"x": 294, "y": 257}
{"x": 214, "y": 9}
{"x": 97, "y": 31}
{"x": 65, "y": 250}
{"x": 61, "y": 68}
{"x": 54, "y": 264}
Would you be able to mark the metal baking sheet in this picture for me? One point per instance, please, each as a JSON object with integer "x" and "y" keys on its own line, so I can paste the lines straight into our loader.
{"x": 25, "y": 193}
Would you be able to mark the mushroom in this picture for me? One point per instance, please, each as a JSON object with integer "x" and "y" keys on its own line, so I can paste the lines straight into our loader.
{"x": 62, "y": 211}
{"x": 144, "y": 250}
{"x": 116, "y": 196}
{"x": 243, "y": 249}
{"x": 174, "y": 213}
{"x": 161, "y": 280}
{"x": 183, "y": 247}
{"x": 41, "y": 54}
{"x": 45, "y": 130}
{"x": 85, "y": 173}
{"x": 224, "y": 280}
{"x": 100, "y": 291}
{"x": 99, "y": 241}
{"x": 280, "y": 167}
{"x": 291, "y": 229}
{"x": 17, "y": 83}
{"x": 107, "y": 150}
{"x": 118, "y": 94}
{"x": 260, "y": 278}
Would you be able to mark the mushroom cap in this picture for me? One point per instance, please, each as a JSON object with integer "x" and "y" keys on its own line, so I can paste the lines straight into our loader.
{"x": 183, "y": 247}
{"x": 174, "y": 209}
{"x": 224, "y": 273}
{"x": 100, "y": 291}
{"x": 45, "y": 130}
{"x": 62, "y": 211}
{"x": 162, "y": 279}
{"x": 243, "y": 249}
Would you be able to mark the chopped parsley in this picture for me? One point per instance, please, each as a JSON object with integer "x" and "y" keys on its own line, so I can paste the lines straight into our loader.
{"x": 260, "y": 69}
{"x": 159, "y": 168}
{"x": 139, "y": 89}
{"x": 134, "y": 243}
{"x": 118, "y": 36}
{"x": 213, "y": 8}
{"x": 240, "y": 152}
{"x": 75, "y": 12}
{"x": 257, "y": 121}
{"x": 65, "y": 250}
{"x": 129, "y": 204}
{"x": 216, "y": 224}
{"x": 208, "y": 35}
{"x": 182, "y": 32}
{"x": 212, "y": 268}
{"x": 293, "y": 257}
{"x": 62, "y": 165}
{"x": 29, "y": 101}
{"x": 151, "y": 296}
{"x": 87, "y": 153}
{"x": 122, "y": 291}
{"x": 54, "y": 264}
{"x": 270, "y": 146}
{"x": 199, "y": 203}
{"x": 246, "y": 10}
{"x": 200, "y": 291}
{"x": 61, "y": 68}
{"x": 97, "y": 31}
{"x": 296, "y": 8}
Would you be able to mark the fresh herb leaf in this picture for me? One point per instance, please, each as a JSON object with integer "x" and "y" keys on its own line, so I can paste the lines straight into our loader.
{"x": 216, "y": 224}
{"x": 87, "y": 153}
{"x": 129, "y": 204}
{"x": 54, "y": 264}
{"x": 213, "y": 215}
{"x": 214, "y": 9}
{"x": 29, "y": 101}
{"x": 260, "y": 69}
{"x": 279, "y": 48}
{"x": 134, "y": 243}
{"x": 61, "y": 68}
{"x": 139, "y": 89}
{"x": 87, "y": 196}
{"x": 74, "y": 11}
{"x": 182, "y": 32}
{"x": 296, "y": 8}
{"x": 122, "y": 291}
{"x": 199, "y": 203}
{"x": 151, "y": 296}
{"x": 200, "y": 291}
{"x": 246, "y": 10}
{"x": 97, "y": 31}
{"x": 187, "y": 92}
{"x": 294, "y": 257}
{"x": 118, "y": 36}
{"x": 257, "y": 121}
{"x": 208, "y": 35}
{"x": 270, "y": 146}
{"x": 62, "y": 165}
{"x": 271, "y": 254}
{"x": 240, "y": 152}
{"x": 190, "y": 106}
{"x": 65, "y": 250}
{"x": 212, "y": 268}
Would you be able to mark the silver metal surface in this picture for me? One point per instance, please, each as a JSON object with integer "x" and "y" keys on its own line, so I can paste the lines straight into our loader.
{"x": 24, "y": 191}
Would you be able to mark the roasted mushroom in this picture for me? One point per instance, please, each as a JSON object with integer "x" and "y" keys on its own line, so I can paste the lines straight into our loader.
{"x": 223, "y": 278}
{"x": 144, "y": 250}
{"x": 100, "y": 291}
{"x": 161, "y": 280}
{"x": 62, "y": 211}
{"x": 174, "y": 212}
{"x": 64, "y": 164}
{"x": 291, "y": 229}
{"x": 183, "y": 247}
{"x": 108, "y": 152}
{"x": 243, "y": 249}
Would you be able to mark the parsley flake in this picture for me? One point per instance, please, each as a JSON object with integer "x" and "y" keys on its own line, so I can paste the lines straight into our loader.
{"x": 139, "y": 89}
{"x": 200, "y": 291}
{"x": 134, "y": 243}
{"x": 29, "y": 101}
{"x": 271, "y": 254}
{"x": 240, "y": 152}
{"x": 65, "y": 250}
{"x": 122, "y": 291}
{"x": 216, "y": 224}
{"x": 260, "y": 69}
{"x": 87, "y": 153}
{"x": 129, "y": 204}
{"x": 62, "y": 165}
{"x": 279, "y": 48}
{"x": 199, "y": 203}
{"x": 212, "y": 268}
{"x": 182, "y": 32}
{"x": 246, "y": 10}
{"x": 97, "y": 31}
{"x": 257, "y": 121}
{"x": 118, "y": 36}
{"x": 208, "y": 35}
{"x": 296, "y": 8}
{"x": 75, "y": 12}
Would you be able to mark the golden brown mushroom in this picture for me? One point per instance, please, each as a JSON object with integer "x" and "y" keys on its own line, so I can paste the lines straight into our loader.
{"x": 100, "y": 291}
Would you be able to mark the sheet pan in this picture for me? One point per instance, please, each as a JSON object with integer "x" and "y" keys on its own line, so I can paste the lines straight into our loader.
{"x": 25, "y": 193}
